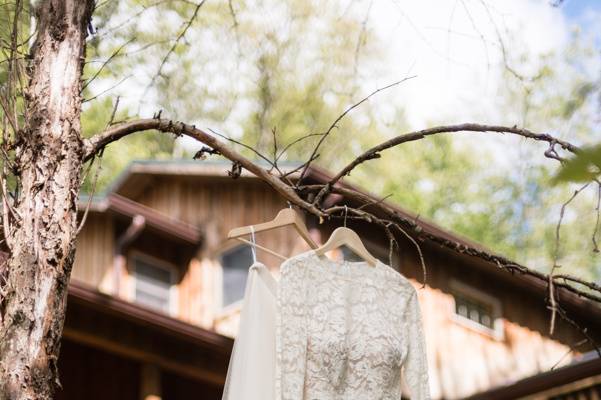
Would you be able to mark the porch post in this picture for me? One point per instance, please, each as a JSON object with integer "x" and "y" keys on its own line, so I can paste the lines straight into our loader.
{"x": 150, "y": 382}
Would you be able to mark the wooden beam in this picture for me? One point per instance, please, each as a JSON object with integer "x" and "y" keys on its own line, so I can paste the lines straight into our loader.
{"x": 186, "y": 370}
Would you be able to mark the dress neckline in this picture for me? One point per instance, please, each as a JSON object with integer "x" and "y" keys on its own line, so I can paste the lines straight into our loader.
{"x": 345, "y": 269}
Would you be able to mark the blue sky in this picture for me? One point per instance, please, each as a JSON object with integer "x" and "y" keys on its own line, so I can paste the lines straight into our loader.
{"x": 586, "y": 14}
{"x": 575, "y": 9}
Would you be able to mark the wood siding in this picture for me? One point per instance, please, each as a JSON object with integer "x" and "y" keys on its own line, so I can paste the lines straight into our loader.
{"x": 462, "y": 360}
{"x": 223, "y": 205}
{"x": 94, "y": 255}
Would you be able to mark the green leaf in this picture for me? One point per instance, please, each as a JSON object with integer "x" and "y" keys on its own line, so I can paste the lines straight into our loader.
{"x": 583, "y": 167}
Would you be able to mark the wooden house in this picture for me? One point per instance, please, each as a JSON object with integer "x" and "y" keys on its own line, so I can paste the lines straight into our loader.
{"x": 156, "y": 290}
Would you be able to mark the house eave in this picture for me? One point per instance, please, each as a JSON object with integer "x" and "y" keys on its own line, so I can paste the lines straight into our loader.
{"x": 589, "y": 365}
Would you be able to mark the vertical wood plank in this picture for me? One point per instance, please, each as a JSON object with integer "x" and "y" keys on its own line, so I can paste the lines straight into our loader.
{"x": 150, "y": 382}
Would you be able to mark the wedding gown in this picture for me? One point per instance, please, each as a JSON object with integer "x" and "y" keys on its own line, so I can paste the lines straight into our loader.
{"x": 334, "y": 331}
{"x": 251, "y": 372}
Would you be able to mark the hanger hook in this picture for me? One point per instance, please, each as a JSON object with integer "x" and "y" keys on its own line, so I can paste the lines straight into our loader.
{"x": 345, "y": 214}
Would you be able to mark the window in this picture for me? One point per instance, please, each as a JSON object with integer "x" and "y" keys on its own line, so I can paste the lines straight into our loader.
{"x": 153, "y": 284}
{"x": 474, "y": 310}
{"x": 235, "y": 263}
{"x": 349, "y": 255}
{"x": 477, "y": 309}
{"x": 376, "y": 249}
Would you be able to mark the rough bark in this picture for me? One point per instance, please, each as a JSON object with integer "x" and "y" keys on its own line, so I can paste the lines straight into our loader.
{"x": 42, "y": 232}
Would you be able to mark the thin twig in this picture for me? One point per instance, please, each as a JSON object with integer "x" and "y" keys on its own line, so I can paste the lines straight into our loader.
{"x": 422, "y": 261}
{"x": 295, "y": 170}
{"x": 182, "y": 34}
{"x": 341, "y": 116}
{"x": 298, "y": 140}
{"x": 91, "y": 194}
{"x": 361, "y": 39}
{"x": 106, "y": 90}
{"x": 235, "y": 25}
{"x": 375, "y": 202}
{"x": 597, "y": 211}
{"x": 246, "y": 146}
{"x": 558, "y": 226}
{"x": 567, "y": 353}
{"x": 583, "y": 330}
{"x": 275, "y": 145}
{"x": 105, "y": 63}
{"x": 551, "y": 288}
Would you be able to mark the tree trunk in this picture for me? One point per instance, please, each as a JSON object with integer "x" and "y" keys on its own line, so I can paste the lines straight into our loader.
{"x": 44, "y": 225}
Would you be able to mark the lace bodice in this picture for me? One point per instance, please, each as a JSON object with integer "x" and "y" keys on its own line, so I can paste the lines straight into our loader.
{"x": 344, "y": 331}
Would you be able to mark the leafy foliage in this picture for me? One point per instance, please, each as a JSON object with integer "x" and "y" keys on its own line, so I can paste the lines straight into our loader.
{"x": 583, "y": 167}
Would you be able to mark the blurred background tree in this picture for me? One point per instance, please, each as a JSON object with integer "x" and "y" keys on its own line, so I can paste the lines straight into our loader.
{"x": 249, "y": 69}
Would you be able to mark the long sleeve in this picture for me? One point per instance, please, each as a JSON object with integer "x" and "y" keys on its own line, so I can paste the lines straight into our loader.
{"x": 252, "y": 365}
{"x": 415, "y": 366}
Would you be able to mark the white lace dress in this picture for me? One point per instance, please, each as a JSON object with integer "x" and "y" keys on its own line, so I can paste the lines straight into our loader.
{"x": 343, "y": 331}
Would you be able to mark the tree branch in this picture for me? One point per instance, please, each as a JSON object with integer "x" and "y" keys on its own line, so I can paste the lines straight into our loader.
{"x": 98, "y": 142}
{"x": 382, "y": 214}
{"x": 374, "y": 152}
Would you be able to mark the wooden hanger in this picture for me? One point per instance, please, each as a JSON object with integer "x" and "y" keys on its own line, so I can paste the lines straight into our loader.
{"x": 344, "y": 236}
{"x": 285, "y": 217}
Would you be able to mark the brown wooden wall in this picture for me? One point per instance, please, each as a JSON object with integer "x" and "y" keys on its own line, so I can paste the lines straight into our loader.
{"x": 94, "y": 255}
{"x": 91, "y": 374}
{"x": 220, "y": 205}
{"x": 462, "y": 360}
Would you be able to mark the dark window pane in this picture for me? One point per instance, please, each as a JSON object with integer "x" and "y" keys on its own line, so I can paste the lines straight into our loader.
{"x": 153, "y": 285}
{"x": 475, "y": 310}
{"x": 349, "y": 255}
{"x": 235, "y": 263}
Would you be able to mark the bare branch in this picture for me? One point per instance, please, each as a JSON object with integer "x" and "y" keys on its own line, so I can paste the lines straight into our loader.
{"x": 552, "y": 299}
{"x": 275, "y": 145}
{"x": 558, "y": 227}
{"x": 96, "y": 143}
{"x": 383, "y": 214}
{"x": 417, "y": 229}
{"x": 570, "y": 351}
{"x": 570, "y": 278}
{"x": 583, "y": 330}
{"x": 374, "y": 152}
{"x": 597, "y": 211}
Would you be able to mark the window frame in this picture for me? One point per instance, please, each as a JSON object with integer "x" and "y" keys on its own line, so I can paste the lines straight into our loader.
{"x": 225, "y": 309}
{"x": 158, "y": 263}
{"x": 497, "y": 332}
